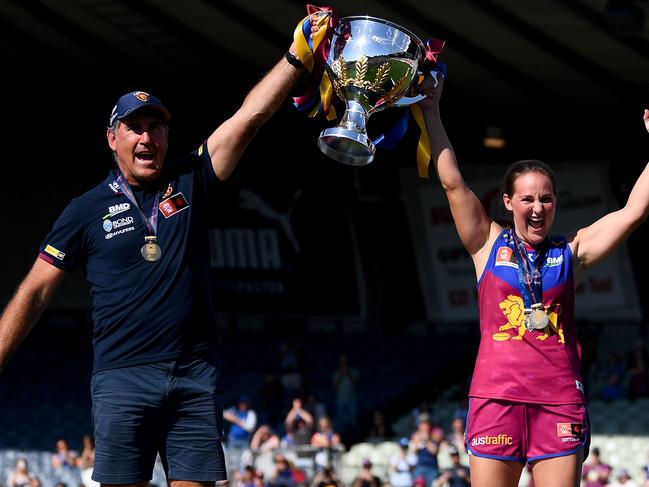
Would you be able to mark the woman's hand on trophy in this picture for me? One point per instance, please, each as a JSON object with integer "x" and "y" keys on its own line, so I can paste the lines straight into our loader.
{"x": 431, "y": 86}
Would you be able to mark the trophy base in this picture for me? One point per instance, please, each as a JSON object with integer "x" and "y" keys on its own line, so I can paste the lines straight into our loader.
{"x": 346, "y": 146}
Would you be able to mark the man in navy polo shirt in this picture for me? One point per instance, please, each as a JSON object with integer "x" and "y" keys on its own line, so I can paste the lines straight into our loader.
{"x": 142, "y": 237}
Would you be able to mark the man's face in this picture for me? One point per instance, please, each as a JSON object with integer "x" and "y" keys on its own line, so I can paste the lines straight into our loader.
{"x": 140, "y": 143}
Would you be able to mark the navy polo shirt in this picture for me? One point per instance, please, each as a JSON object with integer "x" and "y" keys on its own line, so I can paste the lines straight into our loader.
{"x": 143, "y": 311}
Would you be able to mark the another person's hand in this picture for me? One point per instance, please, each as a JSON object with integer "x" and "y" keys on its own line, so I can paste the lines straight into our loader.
{"x": 318, "y": 21}
{"x": 646, "y": 119}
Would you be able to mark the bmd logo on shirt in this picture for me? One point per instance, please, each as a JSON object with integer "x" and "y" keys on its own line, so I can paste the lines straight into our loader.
{"x": 116, "y": 210}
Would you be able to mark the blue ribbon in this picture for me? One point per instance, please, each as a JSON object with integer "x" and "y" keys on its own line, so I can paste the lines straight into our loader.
{"x": 390, "y": 139}
{"x": 529, "y": 274}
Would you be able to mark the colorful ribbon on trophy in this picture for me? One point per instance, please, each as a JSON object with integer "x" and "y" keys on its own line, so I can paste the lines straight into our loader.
{"x": 396, "y": 133}
{"x": 313, "y": 54}
{"x": 433, "y": 48}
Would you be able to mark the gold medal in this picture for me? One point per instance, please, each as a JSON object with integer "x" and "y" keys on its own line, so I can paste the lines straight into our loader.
{"x": 151, "y": 251}
{"x": 537, "y": 318}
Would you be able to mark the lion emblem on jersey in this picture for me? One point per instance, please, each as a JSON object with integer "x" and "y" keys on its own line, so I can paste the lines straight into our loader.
{"x": 513, "y": 309}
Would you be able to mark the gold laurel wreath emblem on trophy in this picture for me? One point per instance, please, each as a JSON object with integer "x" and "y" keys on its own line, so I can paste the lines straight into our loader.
{"x": 339, "y": 67}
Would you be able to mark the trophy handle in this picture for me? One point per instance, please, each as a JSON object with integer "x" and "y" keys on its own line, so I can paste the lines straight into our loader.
{"x": 404, "y": 101}
{"x": 408, "y": 100}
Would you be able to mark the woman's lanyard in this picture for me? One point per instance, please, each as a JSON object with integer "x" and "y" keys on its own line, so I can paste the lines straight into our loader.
{"x": 531, "y": 284}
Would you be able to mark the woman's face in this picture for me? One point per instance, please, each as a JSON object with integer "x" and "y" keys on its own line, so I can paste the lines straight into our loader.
{"x": 533, "y": 206}
{"x": 324, "y": 424}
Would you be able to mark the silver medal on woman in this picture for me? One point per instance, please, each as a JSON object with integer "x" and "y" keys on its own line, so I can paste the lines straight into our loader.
{"x": 536, "y": 318}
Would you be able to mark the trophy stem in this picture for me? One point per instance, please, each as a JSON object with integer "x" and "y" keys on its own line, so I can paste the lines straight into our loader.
{"x": 348, "y": 141}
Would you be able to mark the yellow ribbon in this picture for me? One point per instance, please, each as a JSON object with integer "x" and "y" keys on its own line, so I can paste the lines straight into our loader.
{"x": 423, "y": 147}
{"x": 304, "y": 52}
{"x": 326, "y": 95}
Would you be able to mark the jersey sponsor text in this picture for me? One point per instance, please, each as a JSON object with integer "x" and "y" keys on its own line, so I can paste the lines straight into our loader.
{"x": 501, "y": 439}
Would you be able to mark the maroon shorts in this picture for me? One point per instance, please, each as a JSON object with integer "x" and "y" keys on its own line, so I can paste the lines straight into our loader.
{"x": 525, "y": 432}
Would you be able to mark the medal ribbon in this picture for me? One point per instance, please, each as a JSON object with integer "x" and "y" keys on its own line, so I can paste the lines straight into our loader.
{"x": 151, "y": 222}
{"x": 529, "y": 274}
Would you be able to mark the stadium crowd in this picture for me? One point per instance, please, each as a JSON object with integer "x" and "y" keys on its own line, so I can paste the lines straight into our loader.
{"x": 284, "y": 435}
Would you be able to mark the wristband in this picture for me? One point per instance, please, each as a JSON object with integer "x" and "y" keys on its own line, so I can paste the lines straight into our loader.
{"x": 293, "y": 60}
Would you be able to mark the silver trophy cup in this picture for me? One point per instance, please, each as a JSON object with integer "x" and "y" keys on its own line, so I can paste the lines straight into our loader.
{"x": 372, "y": 65}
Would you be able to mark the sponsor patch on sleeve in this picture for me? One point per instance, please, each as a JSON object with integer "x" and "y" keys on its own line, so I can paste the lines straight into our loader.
{"x": 54, "y": 252}
{"x": 505, "y": 256}
{"x": 172, "y": 205}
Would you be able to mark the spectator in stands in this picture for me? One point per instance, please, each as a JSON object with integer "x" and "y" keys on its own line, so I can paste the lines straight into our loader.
{"x": 366, "y": 477}
{"x": 326, "y": 477}
{"x": 455, "y": 438}
{"x": 595, "y": 473}
{"x": 290, "y": 368}
{"x": 345, "y": 380}
{"x": 614, "y": 375}
{"x": 424, "y": 407}
{"x": 420, "y": 482}
{"x": 463, "y": 405}
{"x": 457, "y": 475}
{"x": 86, "y": 461}
{"x": 286, "y": 475}
{"x": 271, "y": 397}
{"x": 298, "y": 424}
{"x": 402, "y": 465}
{"x": 264, "y": 440}
{"x": 314, "y": 406}
{"x": 426, "y": 448}
{"x": 289, "y": 357}
{"x": 324, "y": 439}
{"x": 380, "y": 430}
{"x": 20, "y": 475}
{"x": 248, "y": 477}
{"x": 637, "y": 366}
{"x": 437, "y": 434}
{"x": 63, "y": 458}
{"x": 623, "y": 479}
{"x": 243, "y": 421}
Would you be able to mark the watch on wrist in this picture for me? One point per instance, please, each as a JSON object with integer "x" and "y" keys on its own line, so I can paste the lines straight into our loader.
{"x": 293, "y": 60}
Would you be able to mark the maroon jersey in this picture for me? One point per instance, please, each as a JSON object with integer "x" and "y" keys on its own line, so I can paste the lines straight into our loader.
{"x": 539, "y": 366}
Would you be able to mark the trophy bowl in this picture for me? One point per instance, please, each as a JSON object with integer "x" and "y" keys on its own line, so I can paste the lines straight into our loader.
{"x": 372, "y": 65}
